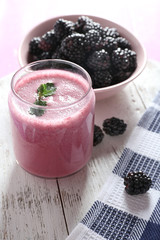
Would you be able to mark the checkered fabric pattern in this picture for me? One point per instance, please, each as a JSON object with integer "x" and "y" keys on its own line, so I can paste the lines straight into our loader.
{"x": 116, "y": 215}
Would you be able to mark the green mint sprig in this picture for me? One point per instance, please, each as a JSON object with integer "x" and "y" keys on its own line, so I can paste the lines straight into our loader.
{"x": 44, "y": 90}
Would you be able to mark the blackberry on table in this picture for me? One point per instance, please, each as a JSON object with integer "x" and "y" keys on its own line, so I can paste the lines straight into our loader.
{"x": 73, "y": 48}
{"x": 34, "y": 46}
{"x": 137, "y": 183}
{"x": 98, "y": 135}
{"x": 63, "y": 28}
{"x": 101, "y": 79}
{"x": 124, "y": 59}
{"x": 99, "y": 60}
{"x": 114, "y": 126}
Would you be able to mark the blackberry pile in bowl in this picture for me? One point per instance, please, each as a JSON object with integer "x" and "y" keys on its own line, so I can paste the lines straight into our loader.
{"x": 112, "y": 55}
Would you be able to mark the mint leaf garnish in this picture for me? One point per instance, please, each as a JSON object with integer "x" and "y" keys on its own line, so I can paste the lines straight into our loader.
{"x": 44, "y": 90}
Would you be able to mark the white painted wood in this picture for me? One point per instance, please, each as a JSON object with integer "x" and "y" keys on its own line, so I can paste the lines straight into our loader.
{"x": 41, "y": 209}
{"x": 148, "y": 83}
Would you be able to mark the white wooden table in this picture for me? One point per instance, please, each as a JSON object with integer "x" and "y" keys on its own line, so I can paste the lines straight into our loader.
{"x": 34, "y": 208}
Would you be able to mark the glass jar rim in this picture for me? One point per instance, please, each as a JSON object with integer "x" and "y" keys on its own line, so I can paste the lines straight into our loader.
{"x": 61, "y": 61}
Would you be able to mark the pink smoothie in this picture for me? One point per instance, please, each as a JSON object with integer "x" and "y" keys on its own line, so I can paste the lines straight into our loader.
{"x": 59, "y": 142}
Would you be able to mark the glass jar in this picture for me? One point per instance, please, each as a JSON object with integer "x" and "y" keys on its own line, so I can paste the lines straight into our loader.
{"x": 54, "y": 139}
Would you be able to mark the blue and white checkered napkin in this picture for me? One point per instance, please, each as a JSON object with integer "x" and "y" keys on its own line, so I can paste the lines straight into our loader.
{"x": 115, "y": 215}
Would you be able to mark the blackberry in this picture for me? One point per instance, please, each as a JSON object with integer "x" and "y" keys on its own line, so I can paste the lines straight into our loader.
{"x": 123, "y": 43}
{"x": 132, "y": 59}
{"x": 124, "y": 59}
{"x": 137, "y": 183}
{"x": 72, "y": 48}
{"x": 110, "y": 32}
{"x": 44, "y": 55}
{"x": 98, "y": 60}
{"x": 84, "y": 24}
{"x": 81, "y": 22}
{"x": 114, "y": 126}
{"x": 63, "y": 28}
{"x": 119, "y": 75}
{"x": 101, "y": 79}
{"x": 33, "y": 58}
{"x": 103, "y": 52}
{"x": 34, "y": 48}
{"x": 57, "y": 53}
{"x": 93, "y": 40}
{"x": 110, "y": 44}
{"x": 98, "y": 135}
{"x": 48, "y": 41}
{"x": 92, "y": 26}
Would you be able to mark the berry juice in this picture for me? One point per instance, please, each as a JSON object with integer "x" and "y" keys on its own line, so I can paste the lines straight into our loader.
{"x": 59, "y": 142}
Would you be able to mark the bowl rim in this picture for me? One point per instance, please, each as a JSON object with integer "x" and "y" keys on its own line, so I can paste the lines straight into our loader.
{"x": 96, "y": 18}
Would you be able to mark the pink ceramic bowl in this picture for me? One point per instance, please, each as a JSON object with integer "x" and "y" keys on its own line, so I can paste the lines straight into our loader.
{"x": 100, "y": 93}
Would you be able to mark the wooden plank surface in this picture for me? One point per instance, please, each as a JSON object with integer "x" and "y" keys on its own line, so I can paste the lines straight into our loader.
{"x": 46, "y": 209}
